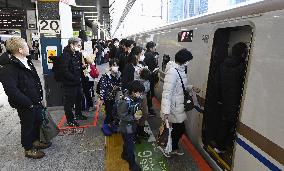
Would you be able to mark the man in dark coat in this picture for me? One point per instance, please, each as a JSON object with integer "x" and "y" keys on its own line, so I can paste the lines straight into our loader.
{"x": 71, "y": 79}
{"x": 151, "y": 62}
{"x": 23, "y": 88}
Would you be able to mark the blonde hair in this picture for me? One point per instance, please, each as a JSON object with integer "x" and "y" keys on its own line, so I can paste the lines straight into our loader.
{"x": 14, "y": 43}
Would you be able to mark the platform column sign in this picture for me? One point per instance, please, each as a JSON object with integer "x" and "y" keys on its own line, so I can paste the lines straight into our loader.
{"x": 50, "y": 41}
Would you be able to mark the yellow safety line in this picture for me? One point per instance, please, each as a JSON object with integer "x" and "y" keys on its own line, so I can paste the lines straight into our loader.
{"x": 219, "y": 159}
{"x": 113, "y": 160}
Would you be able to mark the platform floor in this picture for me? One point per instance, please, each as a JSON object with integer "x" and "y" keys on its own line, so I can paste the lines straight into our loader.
{"x": 84, "y": 149}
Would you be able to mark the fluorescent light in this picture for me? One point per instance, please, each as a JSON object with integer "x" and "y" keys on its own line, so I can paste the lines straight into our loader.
{"x": 81, "y": 6}
{"x": 90, "y": 12}
{"x": 91, "y": 16}
{"x": 92, "y": 19}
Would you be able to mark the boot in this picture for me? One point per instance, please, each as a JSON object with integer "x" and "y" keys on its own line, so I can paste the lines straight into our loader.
{"x": 40, "y": 145}
{"x": 142, "y": 133}
{"x": 34, "y": 153}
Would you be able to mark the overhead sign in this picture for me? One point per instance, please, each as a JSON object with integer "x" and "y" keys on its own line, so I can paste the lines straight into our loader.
{"x": 49, "y": 26}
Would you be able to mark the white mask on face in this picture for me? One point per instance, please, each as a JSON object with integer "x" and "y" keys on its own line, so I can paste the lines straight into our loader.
{"x": 142, "y": 57}
{"x": 116, "y": 44}
{"x": 185, "y": 64}
{"x": 114, "y": 69}
{"x": 77, "y": 48}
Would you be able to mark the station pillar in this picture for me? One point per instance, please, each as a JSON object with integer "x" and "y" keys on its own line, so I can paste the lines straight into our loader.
{"x": 55, "y": 28}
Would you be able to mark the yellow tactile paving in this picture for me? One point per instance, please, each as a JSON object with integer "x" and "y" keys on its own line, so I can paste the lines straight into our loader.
{"x": 113, "y": 161}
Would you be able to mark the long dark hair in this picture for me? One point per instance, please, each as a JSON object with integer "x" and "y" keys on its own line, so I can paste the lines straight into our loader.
{"x": 132, "y": 55}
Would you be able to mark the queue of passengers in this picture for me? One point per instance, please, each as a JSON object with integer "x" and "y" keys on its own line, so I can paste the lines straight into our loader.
{"x": 130, "y": 70}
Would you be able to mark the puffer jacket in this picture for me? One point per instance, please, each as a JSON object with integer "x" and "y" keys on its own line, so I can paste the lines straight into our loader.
{"x": 173, "y": 96}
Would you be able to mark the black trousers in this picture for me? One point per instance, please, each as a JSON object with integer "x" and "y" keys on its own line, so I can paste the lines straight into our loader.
{"x": 109, "y": 111}
{"x": 72, "y": 95}
{"x": 178, "y": 130}
{"x": 30, "y": 120}
{"x": 88, "y": 92}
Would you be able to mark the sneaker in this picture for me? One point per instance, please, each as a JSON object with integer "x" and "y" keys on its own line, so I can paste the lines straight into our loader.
{"x": 163, "y": 152}
{"x": 41, "y": 145}
{"x": 176, "y": 152}
{"x": 34, "y": 153}
{"x": 81, "y": 117}
{"x": 72, "y": 123}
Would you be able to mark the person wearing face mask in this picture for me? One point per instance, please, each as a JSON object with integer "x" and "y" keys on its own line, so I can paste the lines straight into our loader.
{"x": 109, "y": 86}
{"x": 172, "y": 104}
{"x": 72, "y": 71}
{"x": 129, "y": 112}
{"x": 123, "y": 58}
{"x": 131, "y": 70}
{"x": 152, "y": 64}
{"x": 24, "y": 90}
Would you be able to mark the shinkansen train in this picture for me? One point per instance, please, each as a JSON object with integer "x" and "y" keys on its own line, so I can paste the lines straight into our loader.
{"x": 259, "y": 141}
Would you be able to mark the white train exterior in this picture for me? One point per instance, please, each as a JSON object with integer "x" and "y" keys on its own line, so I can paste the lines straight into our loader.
{"x": 260, "y": 134}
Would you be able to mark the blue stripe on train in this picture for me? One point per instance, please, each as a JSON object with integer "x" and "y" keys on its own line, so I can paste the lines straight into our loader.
{"x": 258, "y": 156}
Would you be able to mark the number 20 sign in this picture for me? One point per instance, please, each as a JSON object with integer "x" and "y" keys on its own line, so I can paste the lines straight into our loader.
{"x": 49, "y": 26}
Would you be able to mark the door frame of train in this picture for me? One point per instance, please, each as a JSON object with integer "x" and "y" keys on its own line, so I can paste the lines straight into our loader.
{"x": 230, "y": 25}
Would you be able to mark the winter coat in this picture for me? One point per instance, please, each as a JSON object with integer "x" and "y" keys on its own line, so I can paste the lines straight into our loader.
{"x": 108, "y": 81}
{"x": 71, "y": 67}
{"x": 172, "y": 95}
{"x": 231, "y": 80}
{"x": 127, "y": 75}
{"x": 21, "y": 85}
{"x": 150, "y": 60}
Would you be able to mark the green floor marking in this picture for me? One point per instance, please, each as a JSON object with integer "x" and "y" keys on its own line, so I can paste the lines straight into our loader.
{"x": 149, "y": 157}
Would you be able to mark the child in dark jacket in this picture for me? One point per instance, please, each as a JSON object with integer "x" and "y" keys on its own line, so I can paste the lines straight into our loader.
{"x": 129, "y": 112}
{"x": 109, "y": 86}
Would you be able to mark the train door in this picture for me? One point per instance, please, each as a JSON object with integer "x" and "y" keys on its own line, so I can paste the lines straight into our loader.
{"x": 226, "y": 80}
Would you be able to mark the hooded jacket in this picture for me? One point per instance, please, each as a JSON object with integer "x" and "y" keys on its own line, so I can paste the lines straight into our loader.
{"x": 172, "y": 95}
{"x": 21, "y": 85}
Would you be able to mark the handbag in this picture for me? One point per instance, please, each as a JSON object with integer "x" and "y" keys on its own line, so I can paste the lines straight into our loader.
{"x": 94, "y": 73}
{"x": 162, "y": 138}
{"x": 188, "y": 101}
{"x": 48, "y": 128}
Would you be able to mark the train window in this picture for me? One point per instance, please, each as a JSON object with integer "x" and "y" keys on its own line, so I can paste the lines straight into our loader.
{"x": 185, "y": 36}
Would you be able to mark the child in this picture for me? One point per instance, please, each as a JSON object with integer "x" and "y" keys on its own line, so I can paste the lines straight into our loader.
{"x": 109, "y": 86}
{"x": 129, "y": 112}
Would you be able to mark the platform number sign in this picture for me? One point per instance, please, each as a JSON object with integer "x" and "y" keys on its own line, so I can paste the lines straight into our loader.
{"x": 49, "y": 26}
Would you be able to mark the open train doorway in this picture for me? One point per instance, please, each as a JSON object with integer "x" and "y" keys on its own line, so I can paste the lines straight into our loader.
{"x": 225, "y": 88}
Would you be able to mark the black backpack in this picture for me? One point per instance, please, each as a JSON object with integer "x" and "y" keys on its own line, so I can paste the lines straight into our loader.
{"x": 57, "y": 68}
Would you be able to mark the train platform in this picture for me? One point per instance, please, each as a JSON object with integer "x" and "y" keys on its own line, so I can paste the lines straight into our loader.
{"x": 86, "y": 147}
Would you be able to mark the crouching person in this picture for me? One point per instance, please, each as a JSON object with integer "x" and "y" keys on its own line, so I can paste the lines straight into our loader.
{"x": 129, "y": 112}
{"x": 23, "y": 88}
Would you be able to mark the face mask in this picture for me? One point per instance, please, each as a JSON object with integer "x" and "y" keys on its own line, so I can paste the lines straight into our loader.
{"x": 114, "y": 69}
{"x": 185, "y": 64}
{"x": 77, "y": 49}
{"x": 116, "y": 44}
{"x": 142, "y": 57}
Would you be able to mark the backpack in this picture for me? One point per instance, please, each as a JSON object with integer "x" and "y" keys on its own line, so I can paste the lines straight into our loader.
{"x": 94, "y": 73}
{"x": 57, "y": 67}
